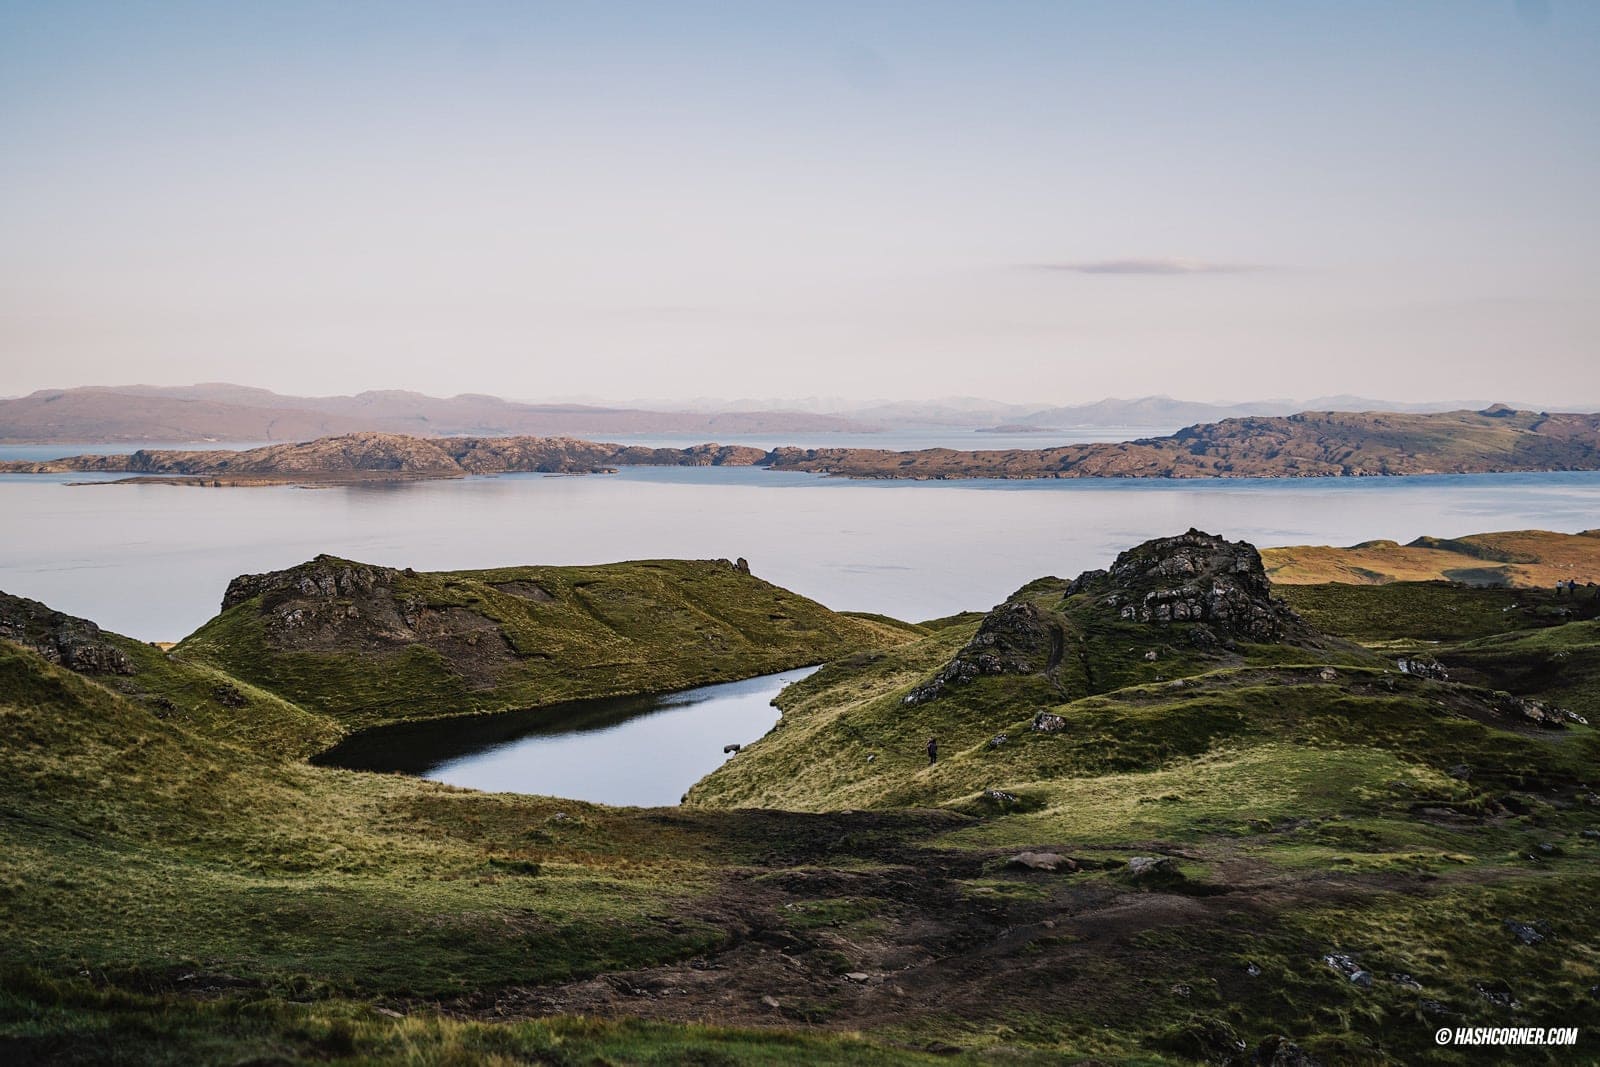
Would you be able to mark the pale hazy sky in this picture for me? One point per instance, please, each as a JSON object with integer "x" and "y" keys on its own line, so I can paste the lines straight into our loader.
{"x": 1048, "y": 201}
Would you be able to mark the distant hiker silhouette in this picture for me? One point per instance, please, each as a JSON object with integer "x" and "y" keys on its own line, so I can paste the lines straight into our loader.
{"x": 933, "y": 751}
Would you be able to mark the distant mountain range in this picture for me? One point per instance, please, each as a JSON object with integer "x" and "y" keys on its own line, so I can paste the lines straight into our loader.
{"x": 223, "y": 412}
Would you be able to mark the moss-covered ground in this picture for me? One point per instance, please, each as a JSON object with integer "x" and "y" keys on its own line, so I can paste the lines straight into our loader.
{"x": 180, "y": 886}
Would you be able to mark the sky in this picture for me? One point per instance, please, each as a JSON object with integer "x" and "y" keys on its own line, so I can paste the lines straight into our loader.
{"x": 1051, "y": 201}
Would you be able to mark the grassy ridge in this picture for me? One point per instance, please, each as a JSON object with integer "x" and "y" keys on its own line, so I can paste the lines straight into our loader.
{"x": 1522, "y": 559}
{"x": 416, "y": 645}
{"x": 181, "y": 887}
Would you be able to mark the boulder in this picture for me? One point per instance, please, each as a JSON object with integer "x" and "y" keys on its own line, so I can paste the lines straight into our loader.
{"x": 1204, "y": 1039}
{"x": 1347, "y": 966}
{"x": 1041, "y": 861}
{"x": 1528, "y": 933}
{"x": 228, "y": 695}
{"x": 1497, "y": 992}
{"x": 1152, "y": 867}
{"x": 1423, "y": 668}
{"x": 1279, "y": 1051}
{"x": 1535, "y": 712}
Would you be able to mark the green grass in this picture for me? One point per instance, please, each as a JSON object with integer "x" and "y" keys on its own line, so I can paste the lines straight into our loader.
{"x": 76, "y": 1023}
{"x": 1412, "y": 613}
{"x": 164, "y": 835}
{"x": 525, "y": 637}
{"x": 1560, "y": 664}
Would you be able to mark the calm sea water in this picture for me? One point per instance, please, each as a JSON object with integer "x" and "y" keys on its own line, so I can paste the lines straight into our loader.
{"x": 639, "y": 750}
{"x": 152, "y": 561}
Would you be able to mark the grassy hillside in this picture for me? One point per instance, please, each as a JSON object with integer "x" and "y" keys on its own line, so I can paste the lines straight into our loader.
{"x": 152, "y": 867}
{"x": 1261, "y": 845}
{"x": 366, "y": 645}
{"x": 1135, "y": 696}
{"x": 1520, "y": 559}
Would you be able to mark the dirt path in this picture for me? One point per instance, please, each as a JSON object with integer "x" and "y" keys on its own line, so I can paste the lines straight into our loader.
{"x": 940, "y": 937}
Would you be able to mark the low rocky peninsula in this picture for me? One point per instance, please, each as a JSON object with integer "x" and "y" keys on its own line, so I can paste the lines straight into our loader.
{"x": 1308, "y": 445}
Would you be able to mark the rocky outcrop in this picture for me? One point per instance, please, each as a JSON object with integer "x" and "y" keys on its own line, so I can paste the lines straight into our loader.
{"x": 325, "y": 577}
{"x": 1013, "y": 639}
{"x": 1212, "y": 591}
{"x": 1196, "y": 578}
{"x": 67, "y": 640}
{"x": 1424, "y": 668}
{"x": 1041, "y": 861}
{"x": 1536, "y": 712}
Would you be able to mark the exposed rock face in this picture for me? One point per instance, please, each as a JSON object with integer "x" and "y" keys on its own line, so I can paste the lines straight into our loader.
{"x": 1537, "y": 712}
{"x": 1196, "y": 578}
{"x": 1216, "y": 589}
{"x": 1013, "y": 639}
{"x": 1047, "y": 723}
{"x": 324, "y": 577}
{"x": 1041, "y": 861}
{"x": 1423, "y": 668}
{"x": 1152, "y": 866}
{"x": 74, "y": 643}
{"x": 335, "y": 605}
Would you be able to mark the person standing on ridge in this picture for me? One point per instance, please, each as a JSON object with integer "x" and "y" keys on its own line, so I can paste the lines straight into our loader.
{"x": 933, "y": 751}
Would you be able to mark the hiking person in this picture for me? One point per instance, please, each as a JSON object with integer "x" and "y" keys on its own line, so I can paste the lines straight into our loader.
{"x": 933, "y": 751}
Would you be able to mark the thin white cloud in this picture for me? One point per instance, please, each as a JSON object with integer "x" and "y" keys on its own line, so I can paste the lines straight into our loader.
{"x": 1151, "y": 266}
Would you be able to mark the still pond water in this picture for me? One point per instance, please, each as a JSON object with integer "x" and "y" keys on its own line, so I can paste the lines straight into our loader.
{"x": 634, "y": 750}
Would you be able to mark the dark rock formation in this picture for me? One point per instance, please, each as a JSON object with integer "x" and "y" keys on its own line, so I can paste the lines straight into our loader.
{"x": 324, "y": 577}
{"x": 1041, "y": 861}
{"x": 1152, "y": 867}
{"x": 1279, "y": 1051}
{"x": 74, "y": 643}
{"x": 1537, "y": 712}
{"x": 1528, "y": 933}
{"x": 1423, "y": 668}
{"x": 1013, "y": 639}
{"x": 1202, "y": 590}
{"x": 1349, "y": 967}
{"x": 1196, "y": 578}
